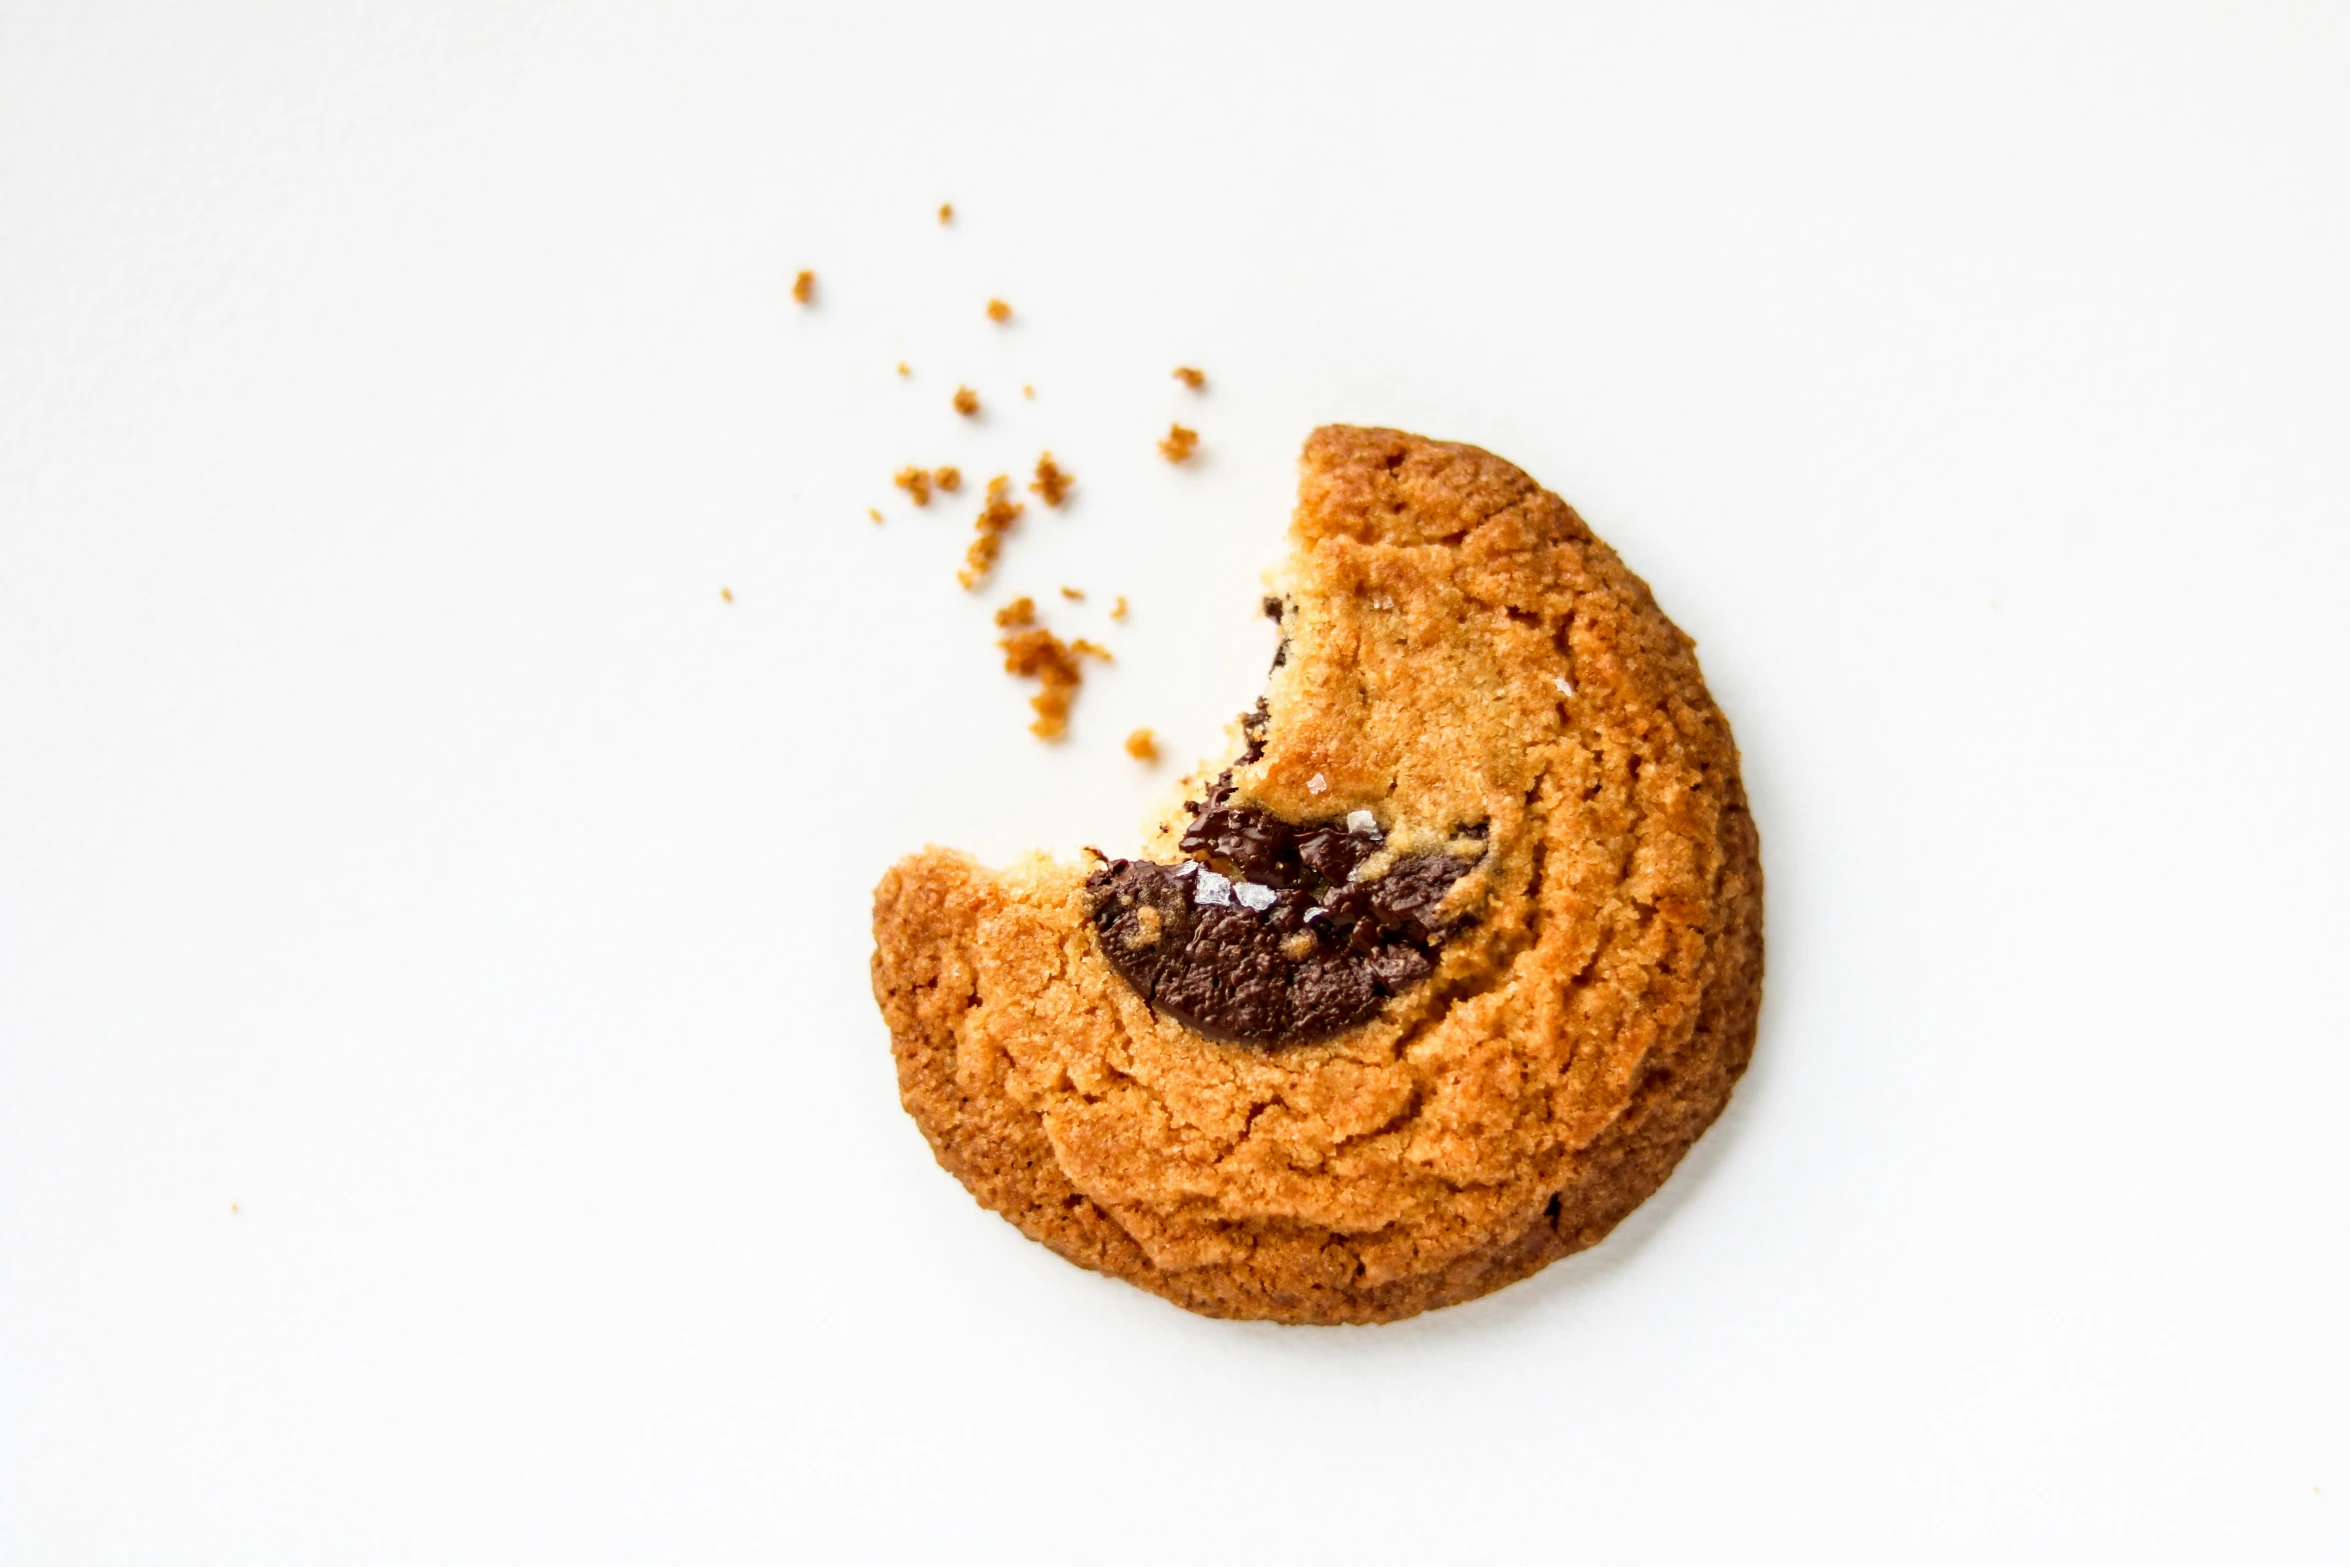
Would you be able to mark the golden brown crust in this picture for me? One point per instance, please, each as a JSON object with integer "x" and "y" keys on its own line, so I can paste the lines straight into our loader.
{"x": 1461, "y": 652}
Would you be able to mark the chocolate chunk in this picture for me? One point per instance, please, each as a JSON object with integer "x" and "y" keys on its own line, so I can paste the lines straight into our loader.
{"x": 1290, "y": 950}
{"x": 1143, "y": 912}
{"x": 1289, "y": 911}
{"x": 1333, "y": 852}
{"x": 1272, "y": 607}
{"x": 1404, "y": 900}
{"x": 1252, "y": 729}
{"x": 1251, "y": 842}
{"x": 1397, "y": 968}
{"x": 1329, "y": 994}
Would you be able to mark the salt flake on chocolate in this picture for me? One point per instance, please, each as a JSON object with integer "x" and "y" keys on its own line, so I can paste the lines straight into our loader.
{"x": 1211, "y": 888}
{"x": 1254, "y": 896}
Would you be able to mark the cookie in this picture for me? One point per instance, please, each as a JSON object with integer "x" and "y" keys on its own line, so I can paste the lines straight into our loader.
{"x": 1428, "y": 982}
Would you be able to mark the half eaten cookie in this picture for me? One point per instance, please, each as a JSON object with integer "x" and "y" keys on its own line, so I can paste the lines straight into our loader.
{"x": 1429, "y": 982}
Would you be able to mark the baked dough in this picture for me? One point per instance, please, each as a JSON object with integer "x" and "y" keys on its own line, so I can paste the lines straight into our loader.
{"x": 1472, "y": 689}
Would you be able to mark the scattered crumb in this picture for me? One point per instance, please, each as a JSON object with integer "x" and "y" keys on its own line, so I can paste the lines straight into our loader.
{"x": 1037, "y": 654}
{"x": 995, "y": 520}
{"x": 946, "y": 212}
{"x": 233, "y": 1208}
{"x": 1143, "y": 747}
{"x": 726, "y": 594}
{"x": 1118, "y": 610}
{"x": 1020, "y": 612}
{"x": 915, "y": 482}
{"x": 947, "y": 479}
{"x": 966, "y": 402}
{"x": 997, "y": 310}
{"x": 1197, "y": 380}
{"x": 902, "y": 370}
{"x": 874, "y": 512}
{"x": 1072, "y": 593}
{"x": 1028, "y": 392}
{"x": 1179, "y": 444}
{"x": 803, "y": 288}
{"x": 1052, "y": 480}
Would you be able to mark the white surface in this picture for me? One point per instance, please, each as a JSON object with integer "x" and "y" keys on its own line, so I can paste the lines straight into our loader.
{"x": 441, "y": 1113}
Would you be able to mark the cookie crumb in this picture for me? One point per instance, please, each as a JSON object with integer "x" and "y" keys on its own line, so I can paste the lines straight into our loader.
{"x": 873, "y": 512}
{"x": 946, "y": 212}
{"x": 966, "y": 402}
{"x": 1197, "y": 380}
{"x": 998, "y": 311}
{"x": 1052, "y": 481}
{"x": 1143, "y": 746}
{"x": 902, "y": 370}
{"x": 803, "y": 288}
{"x": 915, "y": 482}
{"x": 726, "y": 594}
{"x": 1072, "y": 594}
{"x": 995, "y": 520}
{"x": 947, "y": 479}
{"x": 1038, "y": 654}
{"x": 1179, "y": 444}
{"x": 1020, "y": 612}
{"x": 1118, "y": 610}
{"x": 1028, "y": 392}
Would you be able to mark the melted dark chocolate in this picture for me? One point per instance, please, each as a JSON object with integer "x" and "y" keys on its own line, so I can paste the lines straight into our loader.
{"x": 1259, "y": 935}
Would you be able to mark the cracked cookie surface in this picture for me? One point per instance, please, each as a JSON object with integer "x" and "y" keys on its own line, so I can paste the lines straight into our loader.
{"x": 1544, "y": 986}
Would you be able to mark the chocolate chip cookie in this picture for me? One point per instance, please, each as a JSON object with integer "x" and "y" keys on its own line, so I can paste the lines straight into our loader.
{"x": 1428, "y": 982}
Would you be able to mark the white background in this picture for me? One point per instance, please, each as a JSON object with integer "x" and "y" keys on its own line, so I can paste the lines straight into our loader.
{"x": 442, "y": 1117}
